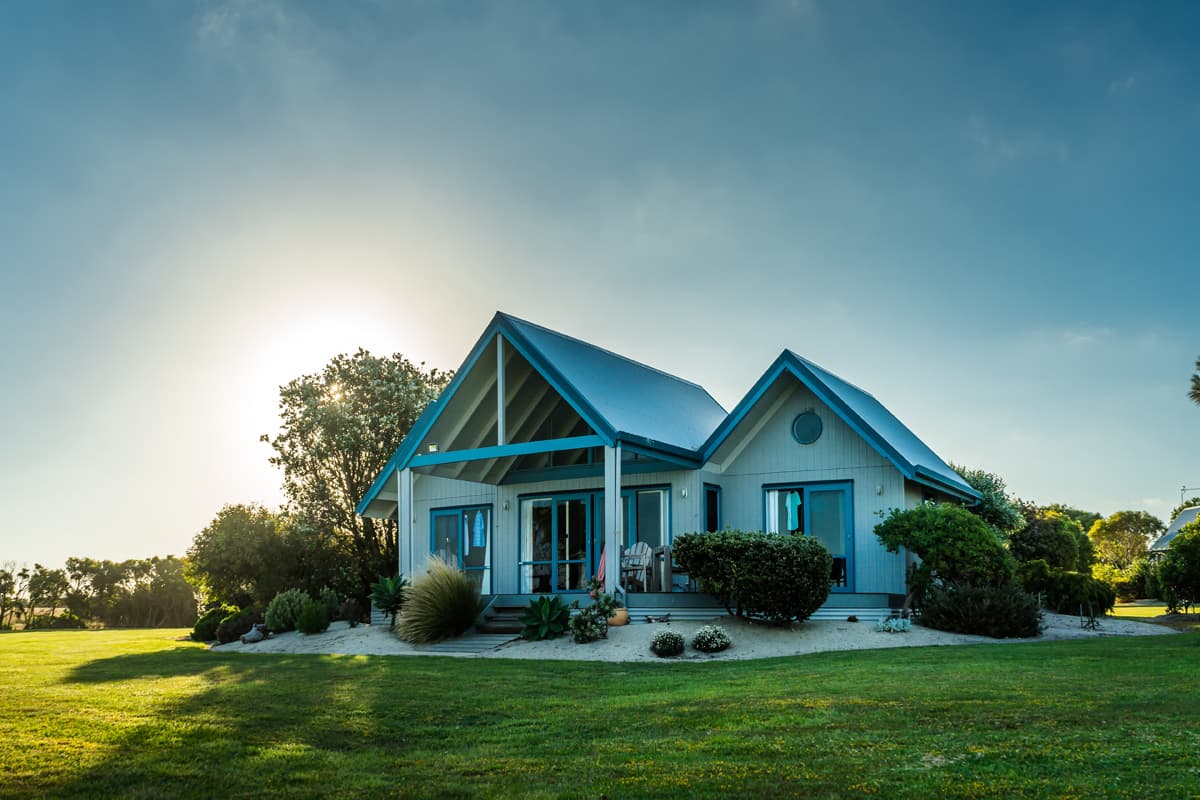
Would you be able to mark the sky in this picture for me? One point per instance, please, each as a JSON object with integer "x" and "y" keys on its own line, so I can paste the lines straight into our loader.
{"x": 983, "y": 213}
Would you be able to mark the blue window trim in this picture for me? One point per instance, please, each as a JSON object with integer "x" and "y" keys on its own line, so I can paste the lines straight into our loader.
{"x": 445, "y": 511}
{"x": 848, "y": 488}
{"x": 554, "y": 561}
{"x": 712, "y": 487}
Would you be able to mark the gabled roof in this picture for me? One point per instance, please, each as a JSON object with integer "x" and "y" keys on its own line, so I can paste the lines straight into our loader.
{"x": 633, "y": 401}
{"x": 863, "y": 413}
{"x": 1184, "y": 517}
{"x": 620, "y": 399}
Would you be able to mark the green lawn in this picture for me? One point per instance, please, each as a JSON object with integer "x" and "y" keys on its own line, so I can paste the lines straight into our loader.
{"x": 138, "y": 714}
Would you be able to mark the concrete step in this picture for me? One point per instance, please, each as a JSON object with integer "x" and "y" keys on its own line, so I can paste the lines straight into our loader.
{"x": 468, "y": 644}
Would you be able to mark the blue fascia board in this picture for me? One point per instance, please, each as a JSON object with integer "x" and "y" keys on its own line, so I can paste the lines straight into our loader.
{"x": 687, "y": 459}
{"x": 556, "y": 380}
{"x": 429, "y": 416}
{"x": 934, "y": 481}
{"x": 505, "y": 450}
{"x": 499, "y": 325}
{"x": 786, "y": 362}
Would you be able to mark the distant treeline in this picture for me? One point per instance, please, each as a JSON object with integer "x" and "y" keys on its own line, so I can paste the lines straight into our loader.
{"x": 148, "y": 592}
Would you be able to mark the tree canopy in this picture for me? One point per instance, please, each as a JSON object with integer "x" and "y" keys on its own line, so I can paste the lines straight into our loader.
{"x": 1086, "y": 519}
{"x": 338, "y": 429}
{"x": 995, "y": 508}
{"x": 1050, "y": 536}
{"x": 1179, "y": 572}
{"x": 1124, "y": 537}
{"x": 1194, "y": 391}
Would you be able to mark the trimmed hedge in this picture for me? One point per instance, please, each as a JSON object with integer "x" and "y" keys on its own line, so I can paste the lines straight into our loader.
{"x": 1002, "y": 612}
{"x": 284, "y": 610}
{"x": 955, "y": 547}
{"x": 205, "y": 629}
{"x": 773, "y": 577}
{"x": 237, "y": 625}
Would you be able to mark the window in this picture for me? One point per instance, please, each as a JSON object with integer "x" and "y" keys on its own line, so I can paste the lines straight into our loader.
{"x": 463, "y": 536}
{"x": 820, "y": 510}
{"x": 712, "y": 507}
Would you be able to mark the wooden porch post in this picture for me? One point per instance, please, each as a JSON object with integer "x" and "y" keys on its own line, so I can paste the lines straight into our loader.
{"x": 404, "y": 521}
{"x": 613, "y": 523}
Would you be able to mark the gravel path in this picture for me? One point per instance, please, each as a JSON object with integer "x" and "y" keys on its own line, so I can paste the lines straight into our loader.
{"x": 632, "y": 642}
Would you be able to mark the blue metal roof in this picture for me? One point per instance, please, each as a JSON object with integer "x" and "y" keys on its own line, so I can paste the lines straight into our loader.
{"x": 636, "y": 401}
{"x": 623, "y": 400}
{"x": 1184, "y": 517}
{"x": 864, "y": 414}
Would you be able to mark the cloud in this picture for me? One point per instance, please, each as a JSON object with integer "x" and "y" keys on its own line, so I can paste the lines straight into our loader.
{"x": 996, "y": 149}
{"x": 1078, "y": 337}
{"x": 1123, "y": 85}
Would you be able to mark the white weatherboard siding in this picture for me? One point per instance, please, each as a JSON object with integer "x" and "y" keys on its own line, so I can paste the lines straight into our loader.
{"x": 772, "y": 455}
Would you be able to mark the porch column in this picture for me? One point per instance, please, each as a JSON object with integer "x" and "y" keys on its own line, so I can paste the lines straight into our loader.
{"x": 613, "y": 523}
{"x": 404, "y": 521}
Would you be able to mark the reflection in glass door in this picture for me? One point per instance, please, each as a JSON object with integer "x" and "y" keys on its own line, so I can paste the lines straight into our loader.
{"x": 555, "y": 544}
{"x": 463, "y": 537}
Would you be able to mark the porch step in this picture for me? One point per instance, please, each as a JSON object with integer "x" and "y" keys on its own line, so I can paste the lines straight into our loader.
{"x": 469, "y": 644}
{"x": 502, "y": 620}
{"x": 378, "y": 617}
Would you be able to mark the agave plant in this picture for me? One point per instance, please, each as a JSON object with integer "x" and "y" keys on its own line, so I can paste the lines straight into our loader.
{"x": 546, "y": 618}
{"x": 388, "y": 595}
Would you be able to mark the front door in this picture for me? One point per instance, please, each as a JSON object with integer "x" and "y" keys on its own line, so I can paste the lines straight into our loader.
{"x": 556, "y": 543}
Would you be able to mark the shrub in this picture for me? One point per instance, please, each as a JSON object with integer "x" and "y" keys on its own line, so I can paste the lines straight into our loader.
{"x": 205, "y": 629}
{"x": 442, "y": 603}
{"x": 313, "y": 617}
{"x": 773, "y": 577}
{"x": 237, "y": 624}
{"x": 545, "y": 618}
{"x": 64, "y": 621}
{"x": 1179, "y": 572}
{"x": 666, "y": 643}
{"x": 588, "y": 624}
{"x": 711, "y": 639}
{"x": 328, "y": 598}
{"x": 1123, "y": 582}
{"x": 954, "y": 545}
{"x": 1064, "y": 591}
{"x": 1002, "y": 612}
{"x": 1145, "y": 578}
{"x": 350, "y": 611}
{"x": 285, "y": 609}
{"x": 388, "y": 595}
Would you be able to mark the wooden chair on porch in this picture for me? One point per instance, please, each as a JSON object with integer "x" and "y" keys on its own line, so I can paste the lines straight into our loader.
{"x": 635, "y": 563}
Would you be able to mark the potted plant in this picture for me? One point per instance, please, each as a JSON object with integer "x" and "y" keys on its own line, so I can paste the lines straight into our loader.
{"x": 608, "y": 605}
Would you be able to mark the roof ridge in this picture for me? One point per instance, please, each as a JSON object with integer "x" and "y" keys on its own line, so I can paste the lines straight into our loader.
{"x": 606, "y": 351}
{"x": 827, "y": 371}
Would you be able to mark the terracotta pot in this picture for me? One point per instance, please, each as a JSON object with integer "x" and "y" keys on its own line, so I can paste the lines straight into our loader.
{"x": 619, "y": 617}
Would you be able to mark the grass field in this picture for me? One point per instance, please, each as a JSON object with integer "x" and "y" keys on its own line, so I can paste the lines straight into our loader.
{"x": 138, "y": 714}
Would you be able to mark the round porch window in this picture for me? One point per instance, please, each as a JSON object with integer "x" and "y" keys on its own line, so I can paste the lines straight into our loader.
{"x": 806, "y": 427}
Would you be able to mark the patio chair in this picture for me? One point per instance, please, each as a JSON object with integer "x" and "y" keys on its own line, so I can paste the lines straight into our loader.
{"x": 838, "y": 578}
{"x": 635, "y": 562}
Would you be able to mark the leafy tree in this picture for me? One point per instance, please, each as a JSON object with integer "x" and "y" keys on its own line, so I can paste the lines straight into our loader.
{"x": 1195, "y": 501}
{"x": 1179, "y": 572}
{"x": 8, "y": 588}
{"x": 1050, "y": 536}
{"x": 338, "y": 429}
{"x": 995, "y": 508}
{"x": 1124, "y": 537}
{"x": 1086, "y": 519}
{"x": 1194, "y": 392}
{"x": 46, "y": 590}
{"x": 248, "y": 554}
{"x": 148, "y": 593}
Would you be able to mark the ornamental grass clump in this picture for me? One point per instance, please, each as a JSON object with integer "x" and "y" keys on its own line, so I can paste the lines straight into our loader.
{"x": 284, "y": 609}
{"x": 440, "y": 604}
{"x": 666, "y": 644}
{"x": 711, "y": 639}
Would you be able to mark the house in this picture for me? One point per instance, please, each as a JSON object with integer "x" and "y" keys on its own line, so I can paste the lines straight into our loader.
{"x": 1185, "y": 516}
{"x": 544, "y": 452}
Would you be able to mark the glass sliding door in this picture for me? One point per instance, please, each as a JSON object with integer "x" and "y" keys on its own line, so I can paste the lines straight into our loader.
{"x": 823, "y": 511}
{"x": 556, "y": 534}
